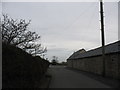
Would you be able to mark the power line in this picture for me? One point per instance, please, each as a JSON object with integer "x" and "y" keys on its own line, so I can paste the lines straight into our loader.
{"x": 81, "y": 14}
{"x": 92, "y": 18}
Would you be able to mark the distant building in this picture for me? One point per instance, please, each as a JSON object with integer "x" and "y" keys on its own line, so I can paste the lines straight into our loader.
{"x": 91, "y": 61}
{"x": 77, "y": 53}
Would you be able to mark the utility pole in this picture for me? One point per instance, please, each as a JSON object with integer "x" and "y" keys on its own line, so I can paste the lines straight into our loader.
{"x": 102, "y": 35}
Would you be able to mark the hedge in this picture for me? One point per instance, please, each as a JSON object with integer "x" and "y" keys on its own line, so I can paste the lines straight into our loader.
{"x": 20, "y": 69}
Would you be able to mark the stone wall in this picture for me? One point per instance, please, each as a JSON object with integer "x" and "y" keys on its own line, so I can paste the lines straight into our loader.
{"x": 95, "y": 65}
{"x": 112, "y": 65}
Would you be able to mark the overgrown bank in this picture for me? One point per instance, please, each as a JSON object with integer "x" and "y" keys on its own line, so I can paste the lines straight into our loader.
{"x": 20, "y": 69}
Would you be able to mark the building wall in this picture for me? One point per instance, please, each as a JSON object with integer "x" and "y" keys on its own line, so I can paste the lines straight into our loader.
{"x": 112, "y": 65}
{"x": 119, "y": 66}
{"x": 95, "y": 65}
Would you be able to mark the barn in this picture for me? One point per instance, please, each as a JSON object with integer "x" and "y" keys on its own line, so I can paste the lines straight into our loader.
{"x": 91, "y": 61}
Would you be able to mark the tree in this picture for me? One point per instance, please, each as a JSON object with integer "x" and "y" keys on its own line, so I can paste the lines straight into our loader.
{"x": 15, "y": 32}
{"x": 54, "y": 60}
{"x": 37, "y": 50}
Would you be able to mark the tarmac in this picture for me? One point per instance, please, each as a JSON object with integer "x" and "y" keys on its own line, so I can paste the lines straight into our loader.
{"x": 63, "y": 77}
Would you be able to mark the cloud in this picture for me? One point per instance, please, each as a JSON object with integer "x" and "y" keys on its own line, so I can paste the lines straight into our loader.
{"x": 66, "y": 27}
{"x": 58, "y": 0}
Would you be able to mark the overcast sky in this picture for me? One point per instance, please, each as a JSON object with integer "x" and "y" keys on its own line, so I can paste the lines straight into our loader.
{"x": 66, "y": 27}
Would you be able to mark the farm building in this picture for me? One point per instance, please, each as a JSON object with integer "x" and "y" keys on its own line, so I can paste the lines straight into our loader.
{"x": 91, "y": 61}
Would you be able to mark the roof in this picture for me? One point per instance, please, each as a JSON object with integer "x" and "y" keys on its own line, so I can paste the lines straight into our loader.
{"x": 110, "y": 48}
{"x": 75, "y": 54}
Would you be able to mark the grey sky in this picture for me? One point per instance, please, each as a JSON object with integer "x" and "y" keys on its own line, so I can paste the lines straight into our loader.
{"x": 66, "y": 27}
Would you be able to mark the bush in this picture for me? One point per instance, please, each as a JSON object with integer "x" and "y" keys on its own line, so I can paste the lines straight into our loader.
{"x": 20, "y": 69}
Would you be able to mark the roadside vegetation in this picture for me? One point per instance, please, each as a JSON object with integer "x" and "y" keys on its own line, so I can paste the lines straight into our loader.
{"x": 22, "y": 66}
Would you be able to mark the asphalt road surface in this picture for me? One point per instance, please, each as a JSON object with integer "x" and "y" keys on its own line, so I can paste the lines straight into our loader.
{"x": 65, "y": 78}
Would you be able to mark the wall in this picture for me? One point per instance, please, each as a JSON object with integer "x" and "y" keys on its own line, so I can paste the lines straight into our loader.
{"x": 95, "y": 64}
{"x": 112, "y": 69}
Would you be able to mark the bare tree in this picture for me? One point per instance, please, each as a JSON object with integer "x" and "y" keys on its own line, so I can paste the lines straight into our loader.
{"x": 54, "y": 60}
{"x": 15, "y": 32}
{"x": 37, "y": 50}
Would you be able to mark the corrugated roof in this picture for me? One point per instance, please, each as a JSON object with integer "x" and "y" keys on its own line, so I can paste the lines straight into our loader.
{"x": 110, "y": 48}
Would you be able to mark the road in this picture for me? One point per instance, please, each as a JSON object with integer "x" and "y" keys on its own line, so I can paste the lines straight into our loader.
{"x": 65, "y": 78}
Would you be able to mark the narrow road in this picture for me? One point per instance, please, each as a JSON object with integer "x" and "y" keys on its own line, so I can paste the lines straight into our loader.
{"x": 65, "y": 78}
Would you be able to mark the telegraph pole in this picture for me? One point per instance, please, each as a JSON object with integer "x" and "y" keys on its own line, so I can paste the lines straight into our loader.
{"x": 102, "y": 35}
